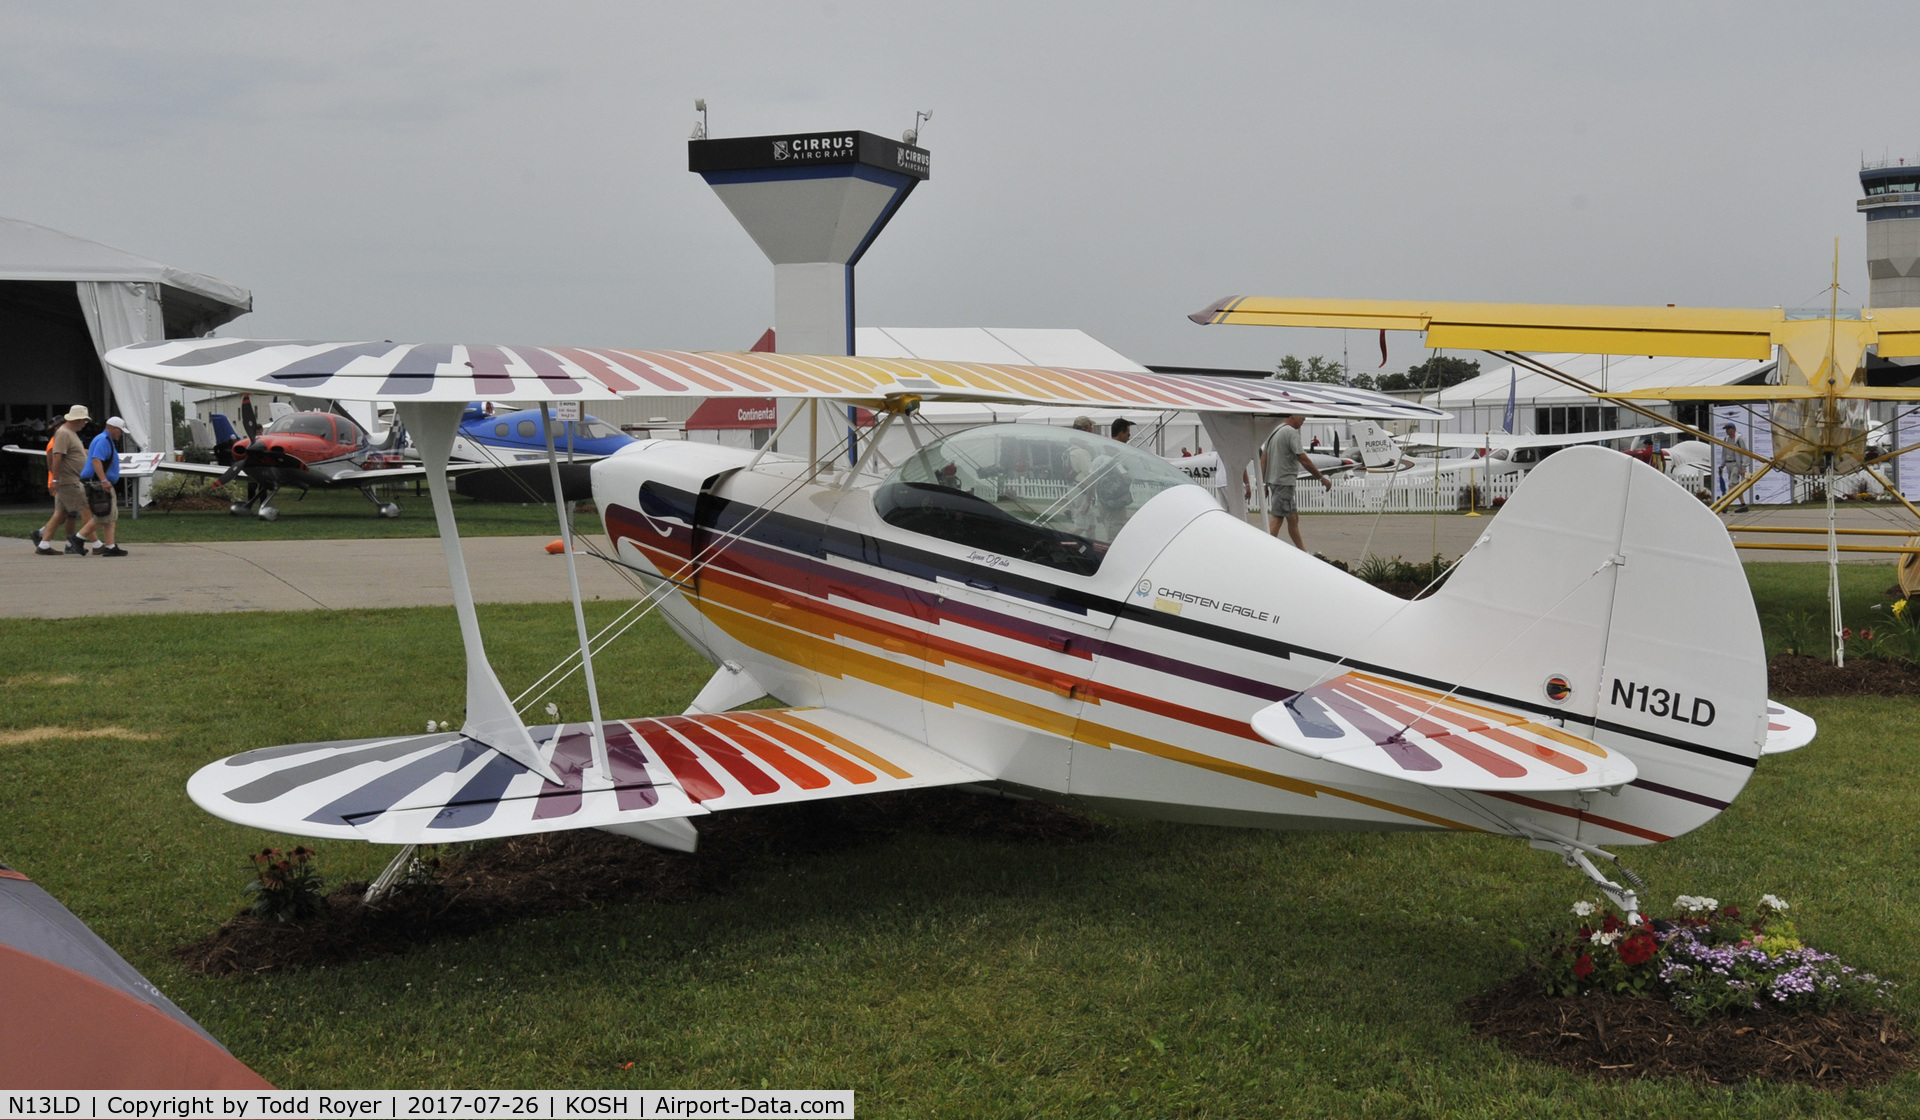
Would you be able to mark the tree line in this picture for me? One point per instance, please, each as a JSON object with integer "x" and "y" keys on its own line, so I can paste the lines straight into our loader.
{"x": 1437, "y": 372}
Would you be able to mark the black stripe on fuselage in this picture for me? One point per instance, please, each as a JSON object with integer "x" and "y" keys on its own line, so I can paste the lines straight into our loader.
{"x": 820, "y": 540}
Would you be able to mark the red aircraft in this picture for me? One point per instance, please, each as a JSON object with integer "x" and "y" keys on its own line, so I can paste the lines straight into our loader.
{"x": 308, "y": 449}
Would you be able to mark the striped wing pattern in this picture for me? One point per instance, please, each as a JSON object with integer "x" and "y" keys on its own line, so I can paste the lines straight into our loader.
{"x": 440, "y": 788}
{"x": 1429, "y": 738}
{"x": 448, "y": 372}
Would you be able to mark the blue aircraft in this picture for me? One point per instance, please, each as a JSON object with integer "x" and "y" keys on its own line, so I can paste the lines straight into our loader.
{"x": 514, "y": 437}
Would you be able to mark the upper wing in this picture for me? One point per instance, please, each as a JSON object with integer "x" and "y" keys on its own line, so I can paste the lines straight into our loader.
{"x": 1688, "y": 332}
{"x": 1399, "y": 731}
{"x": 440, "y": 788}
{"x": 408, "y": 372}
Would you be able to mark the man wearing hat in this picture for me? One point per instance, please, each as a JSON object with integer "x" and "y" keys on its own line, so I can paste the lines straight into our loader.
{"x": 66, "y": 457}
{"x": 103, "y": 467}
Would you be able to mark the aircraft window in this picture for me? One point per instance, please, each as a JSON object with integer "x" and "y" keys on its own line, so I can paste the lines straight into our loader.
{"x": 302, "y": 424}
{"x": 594, "y": 429}
{"x": 1050, "y": 496}
{"x": 527, "y": 429}
{"x": 347, "y": 431}
{"x": 500, "y": 430}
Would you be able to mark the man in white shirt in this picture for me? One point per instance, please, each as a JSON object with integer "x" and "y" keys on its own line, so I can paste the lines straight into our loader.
{"x": 1280, "y": 461}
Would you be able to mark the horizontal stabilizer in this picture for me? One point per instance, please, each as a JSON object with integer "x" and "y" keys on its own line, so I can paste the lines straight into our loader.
{"x": 1787, "y": 730}
{"x": 442, "y": 788}
{"x": 1431, "y": 739}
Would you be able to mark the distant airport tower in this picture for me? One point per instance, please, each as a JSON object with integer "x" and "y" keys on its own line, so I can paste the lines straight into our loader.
{"x": 1892, "y": 207}
{"x": 813, "y": 202}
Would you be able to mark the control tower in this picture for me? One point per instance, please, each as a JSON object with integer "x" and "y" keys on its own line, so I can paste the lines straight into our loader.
{"x": 1892, "y": 207}
{"x": 813, "y": 202}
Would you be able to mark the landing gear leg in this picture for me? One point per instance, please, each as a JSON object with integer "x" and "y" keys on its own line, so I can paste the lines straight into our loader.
{"x": 387, "y": 509}
{"x": 382, "y": 886}
{"x": 1575, "y": 855}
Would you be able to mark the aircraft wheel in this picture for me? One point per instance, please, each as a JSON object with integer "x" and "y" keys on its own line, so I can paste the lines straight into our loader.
{"x": 238, "y": 509}
{"x": 268, "y": 513}
{"x": 391, "y": 509}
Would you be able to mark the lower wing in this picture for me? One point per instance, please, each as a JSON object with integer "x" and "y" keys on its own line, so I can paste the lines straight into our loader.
{"x": 441, "y": 788}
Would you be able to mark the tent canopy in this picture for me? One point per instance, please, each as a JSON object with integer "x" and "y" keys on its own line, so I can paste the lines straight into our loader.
{"x": 65, "y": 301}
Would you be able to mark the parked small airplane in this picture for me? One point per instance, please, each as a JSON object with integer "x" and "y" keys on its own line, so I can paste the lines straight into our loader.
{"x": 515, "y": 437}
{"x": 1817, "y": 410}
{"x": 308, "y": 449}
{"x": 973, "y": 615}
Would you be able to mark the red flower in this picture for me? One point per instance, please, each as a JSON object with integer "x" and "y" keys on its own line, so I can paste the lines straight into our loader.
{"x": 1846, "y": 633}
{"x": 1866, "y": 635}
{"x": 1639, "y": 948}
{"x": 1733, "y": 911}
{"x": 1583, "y": 967}
{"x": 1612, "y": 923}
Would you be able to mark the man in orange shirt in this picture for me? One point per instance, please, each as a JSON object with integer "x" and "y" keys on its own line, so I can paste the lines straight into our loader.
{"x": 66, "y": 458}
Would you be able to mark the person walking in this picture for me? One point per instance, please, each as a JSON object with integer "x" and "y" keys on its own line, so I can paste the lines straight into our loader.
{"x": 1733, "y": 465}
{"x": 66, "y": 457}
{"x": 103, "y": 471}
{"x": 1280, "y": 460}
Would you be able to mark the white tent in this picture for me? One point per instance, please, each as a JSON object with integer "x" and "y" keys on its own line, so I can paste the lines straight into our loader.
{"x": 1479, "y": 405}
{"x": 122, "y": 299}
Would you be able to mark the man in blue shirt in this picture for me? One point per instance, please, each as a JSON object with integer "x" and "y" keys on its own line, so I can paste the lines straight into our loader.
{"x": 103, "y": 465}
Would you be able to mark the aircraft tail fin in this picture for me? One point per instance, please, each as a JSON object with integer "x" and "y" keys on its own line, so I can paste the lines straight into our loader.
{"x": 1606, "y": 598}
{"x": 1373, "y": 445}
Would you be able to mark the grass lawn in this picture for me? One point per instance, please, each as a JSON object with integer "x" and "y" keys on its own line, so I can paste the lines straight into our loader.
{"x": 322, "y": 514}
{"x": 1164, "y": 971}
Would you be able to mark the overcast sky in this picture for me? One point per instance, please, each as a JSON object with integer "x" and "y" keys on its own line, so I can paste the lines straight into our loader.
{"x": 517, "y": 173}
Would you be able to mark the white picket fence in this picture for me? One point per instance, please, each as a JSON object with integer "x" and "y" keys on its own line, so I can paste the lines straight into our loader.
{"x": 1406, "y": 493}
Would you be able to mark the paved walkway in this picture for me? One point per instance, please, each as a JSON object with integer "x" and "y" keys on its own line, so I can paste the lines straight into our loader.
{"x": 338, "y": 574}
{"x": 289, "y": 575}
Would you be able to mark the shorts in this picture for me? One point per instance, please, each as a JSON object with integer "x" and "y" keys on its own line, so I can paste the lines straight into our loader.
{"x": 113, "y": 508}
{"x": 71, "y": 498}
{"x": 1280, "y": 502}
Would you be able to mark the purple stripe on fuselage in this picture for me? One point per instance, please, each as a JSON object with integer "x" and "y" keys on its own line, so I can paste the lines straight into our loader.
{"x": 1684, "y": 795}
{"x": 921, "y": 607}
{"x": 1384, "y": 735}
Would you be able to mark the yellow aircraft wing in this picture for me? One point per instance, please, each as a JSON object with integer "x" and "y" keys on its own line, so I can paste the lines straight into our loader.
{"x": 1731, "y": 393}
{"x": 1682, "y": 332}
{"x": 1899, "y": 331}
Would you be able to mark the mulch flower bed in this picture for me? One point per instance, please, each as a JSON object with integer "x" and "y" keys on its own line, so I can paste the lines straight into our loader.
{"x": 1619, "y": 1036}
{"x": 1794, "y": 675}
{"x": 487, "y": 884}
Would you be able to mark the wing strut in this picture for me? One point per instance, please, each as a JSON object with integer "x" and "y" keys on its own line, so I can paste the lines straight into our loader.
{"x": 491, "y": 716}
{"x": 601, "y": 765}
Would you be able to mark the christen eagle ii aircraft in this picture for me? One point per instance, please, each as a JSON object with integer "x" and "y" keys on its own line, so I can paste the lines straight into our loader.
{"x": 1054, "y": 614}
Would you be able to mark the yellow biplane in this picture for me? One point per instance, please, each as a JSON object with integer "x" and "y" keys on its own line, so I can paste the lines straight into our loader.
{"x": 1818, "y": 403}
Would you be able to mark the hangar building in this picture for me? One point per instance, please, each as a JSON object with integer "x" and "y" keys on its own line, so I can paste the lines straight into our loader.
{"x": 65, "y": 301}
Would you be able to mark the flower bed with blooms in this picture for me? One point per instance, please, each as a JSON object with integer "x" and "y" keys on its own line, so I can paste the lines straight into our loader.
{"x": 1708, "y": 960}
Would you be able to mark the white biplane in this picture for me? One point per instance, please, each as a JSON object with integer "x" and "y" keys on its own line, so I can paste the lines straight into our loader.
{"x": 1056, "y": 615}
